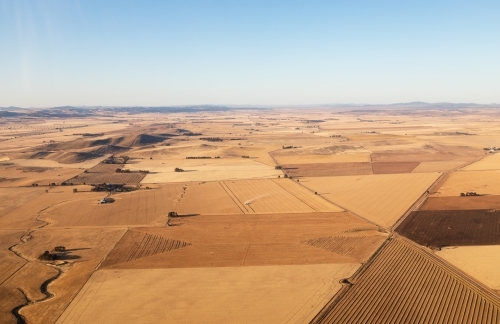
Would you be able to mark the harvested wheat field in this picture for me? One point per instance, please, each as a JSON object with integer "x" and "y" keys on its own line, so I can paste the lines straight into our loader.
{"x": 208, "y": 198}
{"x": 430, "y": 153}
{"x": 330, "y": 158}
{"x": 142, "y": 207}
{"x": 278, "y": 294}
{"x": 479, "y": 262}
{"x": 452, "y": 227}
{"x": 481, "y": 182}
{"x": 327, "y": 169}
{"x": 381, "y": 199}
{"x": 162, "y": 171}
{"x": 491, "y": 162}
{"x": 461, "y": 203}
{"x": 275, "y": 196}
{"x": 105, "y": 168}
{"x": 405, "y": 284}
{"x": 246, "y": 240}
{"x": 97, "y": 178}
{"x": 393, "y": 167}
{"x": 428, "y": 167}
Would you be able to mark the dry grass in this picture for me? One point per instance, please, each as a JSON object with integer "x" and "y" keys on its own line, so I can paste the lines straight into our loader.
{"x": 207, "y": 198}
{"x": 382, "y": 199}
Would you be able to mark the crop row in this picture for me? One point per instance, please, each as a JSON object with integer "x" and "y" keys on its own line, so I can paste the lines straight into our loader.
{"x": 405, "y": 284}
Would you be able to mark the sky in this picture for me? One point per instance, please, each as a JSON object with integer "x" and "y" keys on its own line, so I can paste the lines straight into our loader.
{"x": 162, "y": 53}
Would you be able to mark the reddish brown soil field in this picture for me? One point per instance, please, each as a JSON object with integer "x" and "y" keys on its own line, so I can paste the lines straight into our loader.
{"x": 405, "y": 284}
{"x": 462, "y": 203}
{"x": 393, "y": 167}
{"x": 452, "y": 227}
{"x": 96, "y": 178}
{"x": 328, "y": 169}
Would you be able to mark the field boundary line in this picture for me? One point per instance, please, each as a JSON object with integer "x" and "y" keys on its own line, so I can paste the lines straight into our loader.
{"x": 350, "y": 282}
{"x": 294, "y": 195}
{"x": 233, "y": 197}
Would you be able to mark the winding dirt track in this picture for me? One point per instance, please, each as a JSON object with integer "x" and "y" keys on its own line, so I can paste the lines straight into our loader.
{"x": 407, "y": 284}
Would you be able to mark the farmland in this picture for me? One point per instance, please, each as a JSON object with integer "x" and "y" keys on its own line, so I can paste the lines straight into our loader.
{"x": 328, "y": 169}
{"x": 280, "y": 293}
{"x": 337, "y": 217}
{"x": 441, "y": 294}
{"x": 275, "y": 196}
{"x": 141, "y": 207}
{"x": 363, "y": 194}
{"x": 245, "y": 241}
{"x": 482, "y": 182}
{"x": 476, "y": 261}
{"x": 462, "y": 203}
{"x": 454, "y": 227}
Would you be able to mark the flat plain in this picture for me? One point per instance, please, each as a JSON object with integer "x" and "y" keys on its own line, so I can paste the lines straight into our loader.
{"x": 245, "y": 215}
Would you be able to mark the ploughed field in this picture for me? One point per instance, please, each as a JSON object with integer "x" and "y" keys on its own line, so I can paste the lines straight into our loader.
{"x": 406, "y": 284}
{"x": 452, "y": 227}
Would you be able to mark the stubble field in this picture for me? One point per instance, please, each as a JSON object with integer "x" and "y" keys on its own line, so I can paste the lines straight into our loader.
{"x": 381, "y": 199}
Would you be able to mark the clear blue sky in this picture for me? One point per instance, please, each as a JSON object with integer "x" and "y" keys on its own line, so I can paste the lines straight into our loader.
{"x": 107, "y": 52}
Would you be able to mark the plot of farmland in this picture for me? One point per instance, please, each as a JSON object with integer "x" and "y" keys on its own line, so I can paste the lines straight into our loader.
{"x": 382, "y": 199}
{"x": 427, "y": 167}
{"x": 406, "y": 284}
{"x": 135, "y": 245}
{"x": 462, "y": 203}
{"x": 162, "y": 170}
{"x": 482, "y": 182}
{"x": 96, "y": 178}
{"x": 491, "y": 162}
{"x": 141, "y": 207}
{"x": 271, "y": 294}
{"x": 393, "y": 167}
{"x": 208, "y": 198}
{"x": 330, "y": 158}
{"x": 244, "y": 240}
{"x": 105, "y": 168}
{"x": 275, "y": 196}
{"x": 327, "y": 169}
{"x": 452, "y": 227}
{"x": 480, "y": 262}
